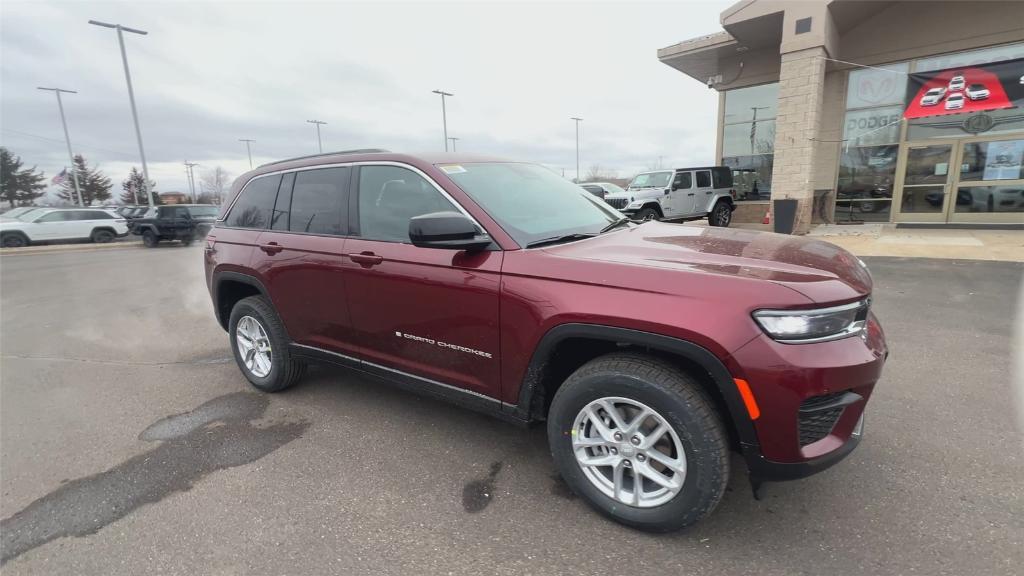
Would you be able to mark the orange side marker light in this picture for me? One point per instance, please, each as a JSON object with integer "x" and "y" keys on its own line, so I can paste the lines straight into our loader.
{"x": 748, "y": 398}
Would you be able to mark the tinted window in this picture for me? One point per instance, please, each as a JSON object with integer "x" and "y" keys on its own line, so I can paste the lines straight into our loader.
{"x": 283, "y": 205}
{"x": 61, "y": 216}
{"x": 317, "y": 201}
{"x": 722, "y": 177}
{"x": 682, "y": 181}
{"x": 254, "y": 204}
{"x": 703, "y": 179}
{"x": 203, "y": 211}
{"x": 389, "y": 196}
{"x": 93, "y": 215}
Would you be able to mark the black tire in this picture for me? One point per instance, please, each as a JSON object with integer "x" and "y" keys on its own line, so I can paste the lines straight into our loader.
{"x": 284, "y": 370}
{"x": 721, "y": 214}
{"x": 150, "y": 239}
{"x": 14, "y": 240}
{"x": 648, "y": 214}
{"x": 683, "y": 403}
{"x": 103, "y": 236}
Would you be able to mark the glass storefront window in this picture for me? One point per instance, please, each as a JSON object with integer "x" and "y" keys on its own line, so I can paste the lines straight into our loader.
{"x": 751, "y": 175}
{"x": 990, "y": 199}
{"x": 1000, "y": 160}
{"x": 742, "y": 104}
{"x": 927, "y": 165}
{"x": 873, "y": 126}
{"x": 864, "y": 189}
{"x": 971, "y": 58}
{"x": 963, "y": 125}
{"x": 923, "y": 199}
{"x": 748, "y": 138}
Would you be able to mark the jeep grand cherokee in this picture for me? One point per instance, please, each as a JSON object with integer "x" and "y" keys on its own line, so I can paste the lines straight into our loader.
{"x": 651, "y": 350}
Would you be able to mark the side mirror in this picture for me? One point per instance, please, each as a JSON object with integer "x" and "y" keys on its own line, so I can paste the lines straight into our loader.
{"x": 446, "y": 230}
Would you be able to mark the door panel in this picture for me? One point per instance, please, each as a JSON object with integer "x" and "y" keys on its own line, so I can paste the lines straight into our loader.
{"x": 680, "y": 200}
{"x": 429, "y": 312}
{"x": 926, "y": 175}
{"x": 705, "y": 192}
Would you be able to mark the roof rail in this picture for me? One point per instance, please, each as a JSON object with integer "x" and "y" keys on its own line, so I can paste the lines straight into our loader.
{"x": 356, "y": 151}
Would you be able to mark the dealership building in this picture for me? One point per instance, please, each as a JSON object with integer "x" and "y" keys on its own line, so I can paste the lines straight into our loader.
{"x": 869, "y": 111}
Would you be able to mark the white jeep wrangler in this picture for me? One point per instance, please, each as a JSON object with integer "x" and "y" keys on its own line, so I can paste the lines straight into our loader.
{"x": 680, "y": 194}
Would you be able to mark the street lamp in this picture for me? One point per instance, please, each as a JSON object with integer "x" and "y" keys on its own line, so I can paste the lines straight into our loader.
{"x": 248, "y": 149}
{"x": 578, "y": 120}
{"x": 67, "y": 138}
{"x": 191, "y": 178}
{"x": 452, "y": 139}
{"x": 131, "y": 97}
{"x": 444, "y": 116}
{"x": 753, "y": 126}
{"x": 319, "y": 142}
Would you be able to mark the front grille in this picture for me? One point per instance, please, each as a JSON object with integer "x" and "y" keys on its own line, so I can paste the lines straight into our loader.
{"x": 819, "y": 414}
{"x": 617, "y": 203}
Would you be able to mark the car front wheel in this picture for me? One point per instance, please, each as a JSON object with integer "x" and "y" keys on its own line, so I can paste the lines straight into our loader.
{"x": 647, "y": 214}
{"x": 640, "y": 441}
{"x": 721, "y": 214}
{"x": 150, "y": 239}
{"x": 102, "y": 236}
{"x": 14, "y": 241}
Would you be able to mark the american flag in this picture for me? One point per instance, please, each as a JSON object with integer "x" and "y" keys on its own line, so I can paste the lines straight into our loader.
{"x": 60, "y": 178}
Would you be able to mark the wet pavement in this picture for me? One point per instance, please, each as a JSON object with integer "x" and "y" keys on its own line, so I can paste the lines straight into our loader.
{"x": 130, "y": 444}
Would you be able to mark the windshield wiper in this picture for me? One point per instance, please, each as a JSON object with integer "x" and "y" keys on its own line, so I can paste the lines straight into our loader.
{"x": 559, "y": 239}
{"x": 614, "y": 225}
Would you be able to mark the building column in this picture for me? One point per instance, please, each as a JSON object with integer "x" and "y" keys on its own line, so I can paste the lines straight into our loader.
{"x": 797, "y": 123}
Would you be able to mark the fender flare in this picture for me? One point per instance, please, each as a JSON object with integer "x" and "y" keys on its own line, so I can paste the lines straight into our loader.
{"x": 218, "y": 280}
{"x": 695, "y": 353}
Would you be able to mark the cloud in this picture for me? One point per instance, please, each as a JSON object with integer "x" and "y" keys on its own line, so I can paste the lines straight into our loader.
{"x": 208, "y": 74}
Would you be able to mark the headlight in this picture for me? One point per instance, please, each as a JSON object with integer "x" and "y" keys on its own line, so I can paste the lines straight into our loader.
{"x": 821, "y": 325}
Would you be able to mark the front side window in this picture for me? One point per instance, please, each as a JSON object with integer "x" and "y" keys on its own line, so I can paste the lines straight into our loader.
{"x": 203, "y": 211}
{"x": 255, "y": 203}
{"x": 318, "y": 199}
{"x": 683, "y": 181}
{"x": 62, "y": 216}
{"x": 389, "y": 196}
{"x": 531, "y": 202}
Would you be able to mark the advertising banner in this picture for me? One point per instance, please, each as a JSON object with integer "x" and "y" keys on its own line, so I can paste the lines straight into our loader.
{"x": 966, "y": 89}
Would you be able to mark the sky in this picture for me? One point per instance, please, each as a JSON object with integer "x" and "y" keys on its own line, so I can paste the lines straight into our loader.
{"x": 210, "y": 73}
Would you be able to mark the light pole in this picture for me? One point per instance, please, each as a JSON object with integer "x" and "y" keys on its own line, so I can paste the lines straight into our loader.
{"x": 191, "y": 179}
{"x": 248, "y": 149}
{"x": 753, "y": 126}
{"x": 131, "y": 97}
{"x": 453, "y": 139}
{"x": 444, "y": 115}
{"x": 319, "y": 142}
{"x": 578, "y": 120}
{"x": 67, "y": 138}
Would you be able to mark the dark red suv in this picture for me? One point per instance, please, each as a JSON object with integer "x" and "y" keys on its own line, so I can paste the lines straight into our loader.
{"x": 650, "y": 349}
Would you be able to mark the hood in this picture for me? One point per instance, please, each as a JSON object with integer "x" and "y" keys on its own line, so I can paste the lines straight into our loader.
{"x": 823, "y": 272}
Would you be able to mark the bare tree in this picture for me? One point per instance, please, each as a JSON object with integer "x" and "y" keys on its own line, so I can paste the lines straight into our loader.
{"x": 597, "y": 173}
{"x": 214, "y": 183}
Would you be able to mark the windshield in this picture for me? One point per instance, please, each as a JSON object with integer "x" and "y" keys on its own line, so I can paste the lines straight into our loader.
{"x": 531, "y": 202}
{"x": 15, "y": 212}
{"x": 651, "y": 180}
{"x": 204, "y": 211}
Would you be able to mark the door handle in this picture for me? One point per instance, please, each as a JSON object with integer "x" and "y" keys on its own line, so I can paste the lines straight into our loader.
{"x": 271, "y": 248}
{"x": 708, "y": 192}
{"x": 691, "y": 193}
{"x": 366, "y": 259}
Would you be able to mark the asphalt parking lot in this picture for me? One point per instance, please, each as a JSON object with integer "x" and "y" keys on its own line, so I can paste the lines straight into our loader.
{"x": 131, "y": 444}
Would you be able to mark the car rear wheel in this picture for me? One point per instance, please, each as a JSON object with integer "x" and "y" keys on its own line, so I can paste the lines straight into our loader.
{"x": 640, "y": 441}
{"x": 648, "y": 214}
{"x": 14, "y": 241}
{"x": 260, "y": 346}
{"x": 102, "y": 236}
{"x": 721, "y": 214}
{"x": 150, "y": 239}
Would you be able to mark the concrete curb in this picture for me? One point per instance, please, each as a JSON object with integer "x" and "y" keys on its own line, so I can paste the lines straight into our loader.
{"x": 52, "y": 248}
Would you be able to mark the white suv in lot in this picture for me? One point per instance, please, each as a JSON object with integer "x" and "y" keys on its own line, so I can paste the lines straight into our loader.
{"x": 680, "y": 194}
{"x": 46, "y": 225}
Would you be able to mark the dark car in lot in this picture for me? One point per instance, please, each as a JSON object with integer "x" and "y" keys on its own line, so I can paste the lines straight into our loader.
{"x": 183, "y": 222}
{"x": 650, "y": 349}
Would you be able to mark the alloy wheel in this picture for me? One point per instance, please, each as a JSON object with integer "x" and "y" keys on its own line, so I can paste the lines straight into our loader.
{"x": 254, "y": 346}
{"x": 629, "y": 452}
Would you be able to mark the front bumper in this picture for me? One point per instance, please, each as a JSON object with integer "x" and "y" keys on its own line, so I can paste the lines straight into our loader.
{"x": 811, "y": 399}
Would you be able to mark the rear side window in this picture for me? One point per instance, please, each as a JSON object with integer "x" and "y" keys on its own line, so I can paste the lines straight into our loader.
{"x": 318, "y": 201}
{"x": 93, "y": 215}
{"x": 703, "y": 179}
{"x": 722, "y": 177}
{"x": 62, "y": 216}
{"x": 389, "y": 196}
{"x": 255, "y": 204}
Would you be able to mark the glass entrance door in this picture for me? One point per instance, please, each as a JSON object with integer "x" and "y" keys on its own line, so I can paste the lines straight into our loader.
{"x": 925, "y": 190}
